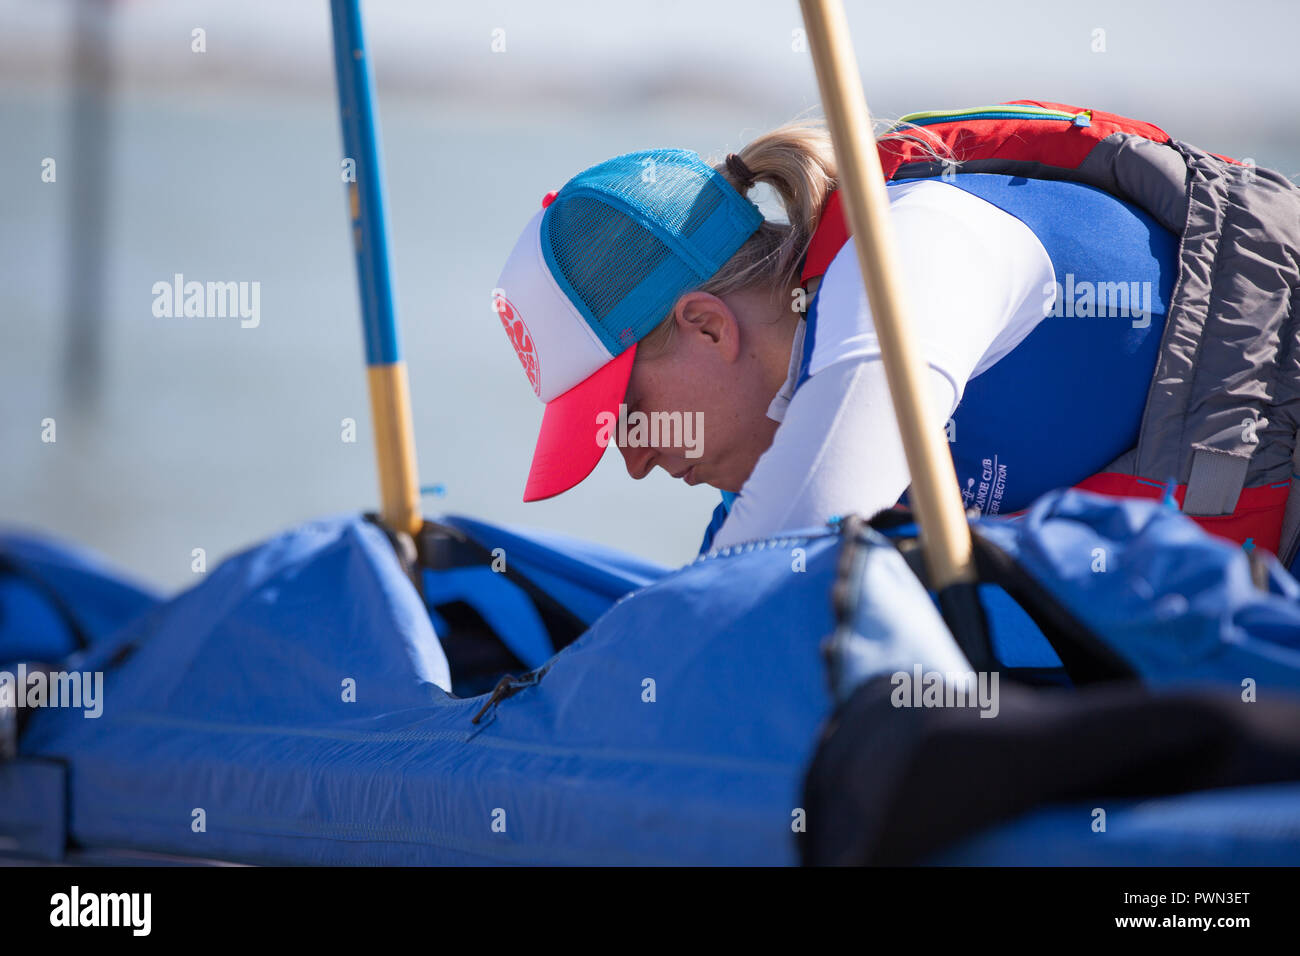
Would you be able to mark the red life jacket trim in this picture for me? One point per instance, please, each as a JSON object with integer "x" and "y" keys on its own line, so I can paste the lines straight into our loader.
{"x": 1013, "y": 139}
{"x": 971, "y": 139}
{"x": 828, "y": 238}
{"x": 1257, "y": 518}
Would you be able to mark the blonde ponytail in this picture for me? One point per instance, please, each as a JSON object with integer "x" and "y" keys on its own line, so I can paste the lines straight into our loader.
{"x": 796, "y": 160}
{"x": 798, "y": 163}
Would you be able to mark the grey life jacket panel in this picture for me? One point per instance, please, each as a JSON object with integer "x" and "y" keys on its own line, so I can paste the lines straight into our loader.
{"x": 1224, "y": 404}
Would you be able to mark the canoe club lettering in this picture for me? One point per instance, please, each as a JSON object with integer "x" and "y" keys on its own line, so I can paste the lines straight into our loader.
{"x": 993, "y": 478}
{"x": 208, "y": 300}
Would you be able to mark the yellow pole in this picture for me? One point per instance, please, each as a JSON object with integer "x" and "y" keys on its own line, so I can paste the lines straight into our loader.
{"x": 934, "y": 493}
{"x": 399, "y": 486}
{"x": 390, "y": 399}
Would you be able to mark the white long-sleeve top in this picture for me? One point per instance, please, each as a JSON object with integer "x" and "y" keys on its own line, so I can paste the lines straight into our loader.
{"x": 976, "y": 281}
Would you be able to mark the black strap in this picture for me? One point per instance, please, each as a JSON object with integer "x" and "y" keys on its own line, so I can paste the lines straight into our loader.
{"x": 441, "y": 546}
{"x": 880, "y": 787}
{"x": 1087, "y": 658}
{"x": 61, "y": 607}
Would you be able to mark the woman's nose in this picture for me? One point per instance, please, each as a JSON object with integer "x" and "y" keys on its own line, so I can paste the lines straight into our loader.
{"x": 639, "y": 460}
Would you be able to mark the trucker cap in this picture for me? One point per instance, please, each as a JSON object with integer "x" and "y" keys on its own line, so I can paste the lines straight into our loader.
{"x": 598, "y": 267}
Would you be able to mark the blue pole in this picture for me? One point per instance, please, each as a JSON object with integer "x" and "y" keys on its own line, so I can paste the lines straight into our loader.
{"x": 386, "y": 372}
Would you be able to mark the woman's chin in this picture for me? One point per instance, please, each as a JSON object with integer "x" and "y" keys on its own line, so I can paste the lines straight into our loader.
{"x": 703, "y": 473}
{"x": 721, "y": 484}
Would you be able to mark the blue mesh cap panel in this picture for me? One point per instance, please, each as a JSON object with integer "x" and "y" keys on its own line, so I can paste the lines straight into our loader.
{"x": 626, "y": 237}
{"x": 602, "y": 252}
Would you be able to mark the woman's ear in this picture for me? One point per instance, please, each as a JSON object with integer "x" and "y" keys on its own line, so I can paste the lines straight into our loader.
{"x": 706, "y": 320}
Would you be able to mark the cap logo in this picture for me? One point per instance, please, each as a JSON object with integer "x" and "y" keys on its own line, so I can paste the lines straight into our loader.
{"x": 521, "y": 339}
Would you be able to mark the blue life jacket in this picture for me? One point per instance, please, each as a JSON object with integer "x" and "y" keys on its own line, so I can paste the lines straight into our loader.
{"x": 1221, "y": 415}
{"x": 1069, "y": 398}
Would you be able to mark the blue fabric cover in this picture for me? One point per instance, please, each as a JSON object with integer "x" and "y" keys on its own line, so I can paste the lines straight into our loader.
{"x": 230, "y": 698}
{"x": 232, "y": 702}
{"x": 1181, "y": 607}
{"x": 33, "y": 809}
{"x": 32, "y": 571}
{"x": 586, "y": 578}
{"x": 1248, "y": 826}
{"x": 1176, "y": 602}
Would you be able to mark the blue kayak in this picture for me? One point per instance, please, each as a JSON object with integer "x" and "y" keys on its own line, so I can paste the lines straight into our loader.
{"x": 307, "y": 704}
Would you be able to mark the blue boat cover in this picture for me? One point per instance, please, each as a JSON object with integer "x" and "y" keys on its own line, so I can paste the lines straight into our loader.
{"x": 645, "y": 742}
{"x": 1178, "y": 604}
{"x": 297, "y": 706}
{"x": 56, "y": 598}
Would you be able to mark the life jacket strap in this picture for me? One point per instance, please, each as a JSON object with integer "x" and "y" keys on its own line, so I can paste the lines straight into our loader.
{"x": 1215, "y": 483}
{"x": 1289, "y": 545}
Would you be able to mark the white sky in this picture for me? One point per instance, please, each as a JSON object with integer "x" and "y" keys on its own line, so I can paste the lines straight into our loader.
{"x": 1210, "y": 57}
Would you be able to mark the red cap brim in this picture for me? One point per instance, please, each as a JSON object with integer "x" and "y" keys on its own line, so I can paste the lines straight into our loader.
{"x": 567, "y": 449}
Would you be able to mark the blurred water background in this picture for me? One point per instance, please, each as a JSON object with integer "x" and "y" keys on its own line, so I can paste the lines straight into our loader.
{"x": 177, "y": 433}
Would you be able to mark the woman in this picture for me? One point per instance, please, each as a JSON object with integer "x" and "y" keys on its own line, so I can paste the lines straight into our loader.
{"x": 1043, "y": 249}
